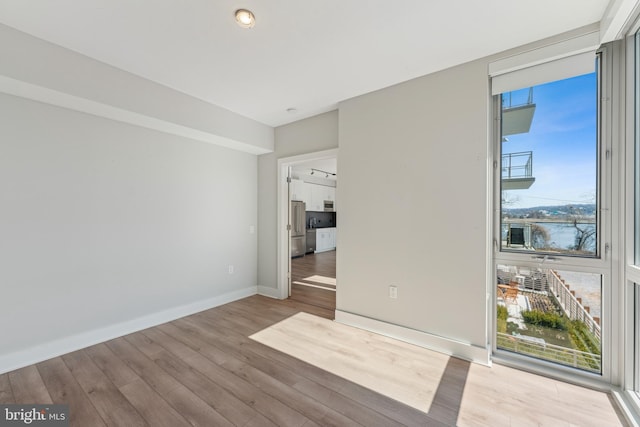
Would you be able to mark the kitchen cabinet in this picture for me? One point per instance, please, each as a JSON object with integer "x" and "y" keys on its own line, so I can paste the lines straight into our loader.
{"x": 325, "y": 239}
{"x": 295, "y": 189}
{"x": 301, "y": 191}
{"x": 317, "y": 198}
{"x": 306, "y": 194}
{"x": 320, "y": 193}
{"x": 331, "y": 194}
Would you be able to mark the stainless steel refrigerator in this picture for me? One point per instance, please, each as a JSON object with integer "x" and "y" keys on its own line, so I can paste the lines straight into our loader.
{"x": 298, "y": 229}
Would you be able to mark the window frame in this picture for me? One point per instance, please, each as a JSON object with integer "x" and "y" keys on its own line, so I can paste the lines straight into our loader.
{"x": 600, "y": 264}
{"x": 601, "y": 246}
{"x": 602, "y": 259}
{"x": 631, "y": 226}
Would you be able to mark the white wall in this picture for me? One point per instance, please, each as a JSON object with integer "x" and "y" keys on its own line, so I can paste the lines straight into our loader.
{"x": 317, "y": 133}
{"x": 413, "y": 204}
{"x": 104, "y": 224}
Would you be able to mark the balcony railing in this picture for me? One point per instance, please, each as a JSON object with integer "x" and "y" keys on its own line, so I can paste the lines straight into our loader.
{"x": 517, "y": 170}
{"x": 517, "y": 165}
{"x": 508, "y": 102}
{"x": 554, "y": 353}
{"x": 572, "y": 307}
{"x": 517, "y": 112}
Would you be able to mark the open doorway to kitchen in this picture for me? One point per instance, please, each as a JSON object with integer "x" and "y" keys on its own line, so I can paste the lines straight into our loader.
{"x": 307, "y": 201}
{"x": 313, "y": 272}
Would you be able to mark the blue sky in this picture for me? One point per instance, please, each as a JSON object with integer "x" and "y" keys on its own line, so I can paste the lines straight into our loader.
{"x": 563, "y": 140}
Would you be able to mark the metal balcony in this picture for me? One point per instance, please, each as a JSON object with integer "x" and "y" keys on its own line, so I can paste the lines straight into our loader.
{"x": 517, "y": 118}
{"x": 517, "y": 170}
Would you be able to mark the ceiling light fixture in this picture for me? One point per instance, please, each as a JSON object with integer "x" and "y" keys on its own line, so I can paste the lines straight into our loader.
{"x": 245, "y": 18}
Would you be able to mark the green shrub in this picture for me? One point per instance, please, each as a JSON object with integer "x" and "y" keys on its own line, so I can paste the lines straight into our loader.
{"x": 545, "y": 318}
{"x": 501, "y": 326}
{"x": 501, "y": 323}
{"x": 582, "y": 338}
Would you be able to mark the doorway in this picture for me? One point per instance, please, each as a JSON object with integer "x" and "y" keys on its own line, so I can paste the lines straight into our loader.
{"x": 310, "y": 182}
{"x": 313, "y": 279}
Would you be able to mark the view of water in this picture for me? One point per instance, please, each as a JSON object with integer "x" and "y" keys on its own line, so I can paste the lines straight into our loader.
{"x": 563, "y": 235}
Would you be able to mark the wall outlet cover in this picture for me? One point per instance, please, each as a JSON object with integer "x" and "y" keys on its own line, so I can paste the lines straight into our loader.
{"x": 393, "y": 291}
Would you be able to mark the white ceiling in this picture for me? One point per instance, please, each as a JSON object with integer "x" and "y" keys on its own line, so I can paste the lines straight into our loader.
{"x": 307, "y": 55}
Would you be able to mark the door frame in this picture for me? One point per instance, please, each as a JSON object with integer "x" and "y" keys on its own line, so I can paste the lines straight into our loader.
{"x": 283, "y": 257}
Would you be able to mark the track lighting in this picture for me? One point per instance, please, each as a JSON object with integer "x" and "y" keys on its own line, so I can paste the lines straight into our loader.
{"x": 326, "y": 174}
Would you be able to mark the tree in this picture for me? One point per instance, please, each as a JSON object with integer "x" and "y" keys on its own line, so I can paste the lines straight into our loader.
{"x": 585, "y": 233}
{"x": 584, "y": 236}
{"x": 539, "y": 236}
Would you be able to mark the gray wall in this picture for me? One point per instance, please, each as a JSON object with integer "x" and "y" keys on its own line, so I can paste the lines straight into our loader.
{"x": 417, "y": 157}
{"x": 104, "y": 222}
{"x": 414, "y": 157}
{"x": 317, "y": 133}
{"x": 36, "y": 69}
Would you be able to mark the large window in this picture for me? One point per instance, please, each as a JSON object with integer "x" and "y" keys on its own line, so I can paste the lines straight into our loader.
{"x": 550, "y": 264}
{"x": 549, "y": 167}
{"x": 552, "y": 315}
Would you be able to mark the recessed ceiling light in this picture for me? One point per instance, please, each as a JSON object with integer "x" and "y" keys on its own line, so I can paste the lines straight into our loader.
{"x": 245, "y": 18}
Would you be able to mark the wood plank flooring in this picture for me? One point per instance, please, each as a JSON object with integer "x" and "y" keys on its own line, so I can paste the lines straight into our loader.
{"x": 313, "y": 270}
{"x": 435, "y": 383}
{"x": 394, "y": 368}
{"x": 203, "y": 370}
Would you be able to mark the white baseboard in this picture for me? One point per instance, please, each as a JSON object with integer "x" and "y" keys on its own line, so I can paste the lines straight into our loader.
{"x": 448, "y": 346}
{"x": 48, "y": 350}
{"x": 269, "y": 292}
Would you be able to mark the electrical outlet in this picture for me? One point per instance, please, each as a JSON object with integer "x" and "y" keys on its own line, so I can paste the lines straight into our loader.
{"x": 393, "y": 291}
{"x": 252, "y": 229}
{"x": 231, "y": 269}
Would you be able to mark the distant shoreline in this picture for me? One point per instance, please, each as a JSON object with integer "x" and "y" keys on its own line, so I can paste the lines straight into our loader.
{"x": 556, "y": 220}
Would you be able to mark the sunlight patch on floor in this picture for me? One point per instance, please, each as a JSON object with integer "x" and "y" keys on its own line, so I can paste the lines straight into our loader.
{"x": 492, "y": 396}
{"x": 321, "y": 279}
{"x": 314, "y": 286}
{"x": 402, "y": 371}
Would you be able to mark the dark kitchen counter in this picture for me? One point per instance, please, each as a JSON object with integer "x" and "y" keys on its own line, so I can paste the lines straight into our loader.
{"x": 320, "y": 220}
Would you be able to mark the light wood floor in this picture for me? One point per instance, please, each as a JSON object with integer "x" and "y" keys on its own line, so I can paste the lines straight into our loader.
{"x": 450, "y": 390}
{"x": 310, "y": 269}
{"x": 204, "y": 370}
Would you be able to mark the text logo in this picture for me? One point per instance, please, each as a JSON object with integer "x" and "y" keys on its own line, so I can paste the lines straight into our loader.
{"x": 34, "y": 415}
